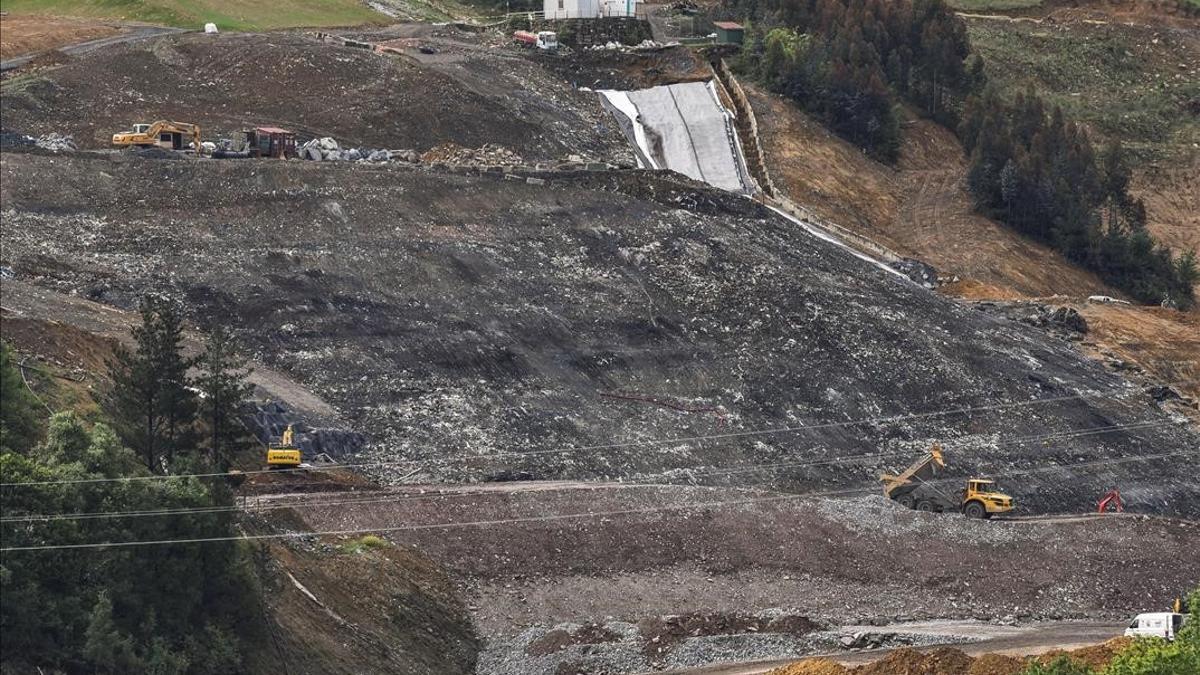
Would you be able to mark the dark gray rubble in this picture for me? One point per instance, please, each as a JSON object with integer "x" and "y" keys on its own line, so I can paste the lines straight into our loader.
{"x": 588, "y": 319}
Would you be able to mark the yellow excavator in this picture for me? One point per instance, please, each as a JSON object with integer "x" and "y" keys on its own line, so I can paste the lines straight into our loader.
{"x": 915, "y": 488}
{"x": 162, "y": 134}
{"x": 285, "y": 454}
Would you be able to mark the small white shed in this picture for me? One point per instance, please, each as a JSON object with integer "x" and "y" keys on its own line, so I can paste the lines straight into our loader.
{"x": 571, "y": 9}
{"x": 588, "y": 9}
{"x": 618, "y": 7}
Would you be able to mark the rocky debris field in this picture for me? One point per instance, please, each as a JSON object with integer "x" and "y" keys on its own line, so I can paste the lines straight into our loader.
{"x": 230, "y": 82}
{"x": 675, "y": 641}
{"x": 570, "y": 326}
{"x": 719, "y": 581}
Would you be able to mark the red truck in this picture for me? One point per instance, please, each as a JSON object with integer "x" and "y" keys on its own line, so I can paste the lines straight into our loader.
{"x": 546, "y": 40}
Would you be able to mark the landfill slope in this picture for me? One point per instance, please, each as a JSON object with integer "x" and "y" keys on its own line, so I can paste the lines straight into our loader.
{"x": 498, "y": 328}
{"x": 471, "y": 94}
{"x": 683, "y": 127}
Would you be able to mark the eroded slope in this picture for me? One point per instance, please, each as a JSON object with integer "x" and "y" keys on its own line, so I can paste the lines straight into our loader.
{"x": 584, "y": 321}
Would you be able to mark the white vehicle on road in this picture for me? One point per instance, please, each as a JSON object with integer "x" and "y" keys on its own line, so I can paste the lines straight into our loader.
{"x": 1164, "y": 625}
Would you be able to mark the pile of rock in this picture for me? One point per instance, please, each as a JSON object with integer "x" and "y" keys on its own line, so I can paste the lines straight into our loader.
{"x": 329, "y": 150}
{"x": 51, "y": 141}
{"x": 56, "y": 142}
{"x": 488, "y": 155}
{"x": 643, "y": 46}
{"x": 919, "y": 271}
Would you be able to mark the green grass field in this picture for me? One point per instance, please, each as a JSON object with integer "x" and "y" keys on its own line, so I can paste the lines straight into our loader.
{"x": 246, "y": 15}
{"x": 983, "y": 6}
{"x": 1122, "y": 81}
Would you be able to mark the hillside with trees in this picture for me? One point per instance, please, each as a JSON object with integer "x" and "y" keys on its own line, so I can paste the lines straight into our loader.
{"x": 852, "y": 64}
{"x": 83, "y": 607}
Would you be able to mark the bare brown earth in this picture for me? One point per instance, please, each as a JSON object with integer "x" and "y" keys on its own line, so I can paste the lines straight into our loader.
{"x": 1162, "y": 341}
{"x": 1172, "y": 196}
{"x": 546, "y": 563}
{"x": 379, "y": 610}
{"x": 920, "y": 208}
{"x": 951, "y": 661}
{"x": 21, "y": 34}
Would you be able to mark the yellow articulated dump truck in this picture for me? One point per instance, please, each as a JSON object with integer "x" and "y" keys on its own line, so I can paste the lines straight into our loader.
{"x": 285, "y": 454}
{"x": 918, "y": 487}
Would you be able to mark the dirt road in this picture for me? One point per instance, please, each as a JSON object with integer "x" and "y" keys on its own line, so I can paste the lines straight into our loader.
{"x": 1026, "y": 640}
{"x": 134, "y": 34}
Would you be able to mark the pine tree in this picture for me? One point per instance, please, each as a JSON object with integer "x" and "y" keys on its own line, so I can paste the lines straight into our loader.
{"x": 152, "y": 405}
{"x": 108, "y": 650}
{"x": 222, "y": 386}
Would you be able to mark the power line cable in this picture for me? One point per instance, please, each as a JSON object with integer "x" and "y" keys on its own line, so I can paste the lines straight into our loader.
{"x": 606, "y": 446}
{"x": 689, "y": 471}
{"x": 543, "y": 518}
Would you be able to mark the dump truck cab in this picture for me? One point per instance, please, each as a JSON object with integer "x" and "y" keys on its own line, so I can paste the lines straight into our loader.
{"x": 981, "y": 499}
{"x": 547, "y": 40}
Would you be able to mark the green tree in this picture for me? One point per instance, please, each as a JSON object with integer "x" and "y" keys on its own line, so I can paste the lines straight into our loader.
{"x": 152, "y": 405}
{"x": 181, "y": 608}
{"x": 1154, "y": 656}
{"x": 20, "y": 414}
{"x": 106, "y": 648}
{"x": 223, "y": 387}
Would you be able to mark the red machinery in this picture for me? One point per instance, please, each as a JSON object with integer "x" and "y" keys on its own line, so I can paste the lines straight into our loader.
{"x": 1111, "y": 498}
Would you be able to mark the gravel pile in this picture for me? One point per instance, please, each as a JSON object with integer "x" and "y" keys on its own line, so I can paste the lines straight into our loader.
{"x": 489, "y": 154}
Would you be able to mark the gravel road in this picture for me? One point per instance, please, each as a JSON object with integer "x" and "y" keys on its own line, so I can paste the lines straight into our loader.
{"x": 1026, "y": 640}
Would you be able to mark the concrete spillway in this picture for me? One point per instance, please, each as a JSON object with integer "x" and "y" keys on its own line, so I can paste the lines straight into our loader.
{"x": 684, "y": 128}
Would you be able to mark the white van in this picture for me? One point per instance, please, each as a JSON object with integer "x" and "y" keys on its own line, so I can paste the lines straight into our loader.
{"x": 1157, "y": 624}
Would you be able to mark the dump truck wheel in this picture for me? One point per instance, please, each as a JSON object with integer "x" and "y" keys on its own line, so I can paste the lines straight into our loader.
{"x": 925, "y": 505}
{"x": 906, "y": 501}
{"x": 975, "y": 510}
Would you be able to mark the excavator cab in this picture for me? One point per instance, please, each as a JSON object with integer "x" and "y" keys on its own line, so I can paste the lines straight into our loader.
{"x": 285, "y": 454}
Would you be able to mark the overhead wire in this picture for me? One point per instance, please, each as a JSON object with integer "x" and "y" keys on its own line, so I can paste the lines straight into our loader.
{"x": 531, "y": 519}
{"x": 687, "y": 471}
{"x": 605, "y": 446}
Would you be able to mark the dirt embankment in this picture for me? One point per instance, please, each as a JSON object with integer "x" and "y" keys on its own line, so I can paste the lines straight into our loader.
{"x": 339, "y": 609}
{"x": 469, "y": 94}
{"x": 920, "y": 208}
{"x": 951, "y": 661}
{"x": 21, "y": 34}
{"x": 641, "y": 555}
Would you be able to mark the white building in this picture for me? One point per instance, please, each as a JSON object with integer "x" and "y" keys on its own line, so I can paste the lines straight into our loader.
{"x": 588, "y": 9}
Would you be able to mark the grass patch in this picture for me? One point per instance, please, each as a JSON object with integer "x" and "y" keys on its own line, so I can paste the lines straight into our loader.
{"x": 364, "y": 544}
{"x": 993, "y": 5}
{"x": 1120, "y": 81}
{"x": 243, "y": 15}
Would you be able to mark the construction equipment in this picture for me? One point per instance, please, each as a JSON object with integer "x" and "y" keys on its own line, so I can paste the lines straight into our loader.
{"x": 916, "y": 488}
{"x": 162, "y": 134}
{"x": 270, "y": 142}
{"x": 545, "y": 40}
{"x": 285, "y": 454}
{"x": 1111, "y": 498}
